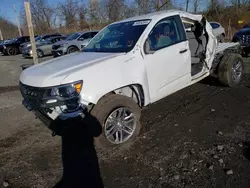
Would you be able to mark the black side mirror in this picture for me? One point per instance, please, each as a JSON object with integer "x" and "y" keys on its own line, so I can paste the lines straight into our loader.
{"x": 81, "y": 39}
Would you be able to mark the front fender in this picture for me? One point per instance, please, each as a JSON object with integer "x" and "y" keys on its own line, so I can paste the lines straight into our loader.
{"x": 109, "y": 75}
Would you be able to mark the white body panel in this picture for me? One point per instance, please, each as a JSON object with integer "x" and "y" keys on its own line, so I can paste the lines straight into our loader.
{"x": 174, "y": 65}
{"x": 160, "y": 74}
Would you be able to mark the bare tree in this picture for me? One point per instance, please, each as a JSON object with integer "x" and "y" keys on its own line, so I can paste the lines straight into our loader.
{"x": 42, "y": 15}
{"x": 163, "y": 4}
{"x": 9, "y": 29}
{"x": 69, "y": 12}
{"x": 196, "y": 4}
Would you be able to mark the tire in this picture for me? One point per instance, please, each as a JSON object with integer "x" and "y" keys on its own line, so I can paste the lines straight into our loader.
{"x": 105, "y": 108}
{"x": 227, "y": 73}
{"x": 72, "y": 49}
{"x": 12, "y": 51}
{"x": 40, "y": 53}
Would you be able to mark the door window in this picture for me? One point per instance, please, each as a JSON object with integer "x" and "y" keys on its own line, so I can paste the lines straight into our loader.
{"x": 214, "y": 25}
{"x": 93, "y": 34}
{"x": 85, "y": 36}
{"x": 167, "y": 32}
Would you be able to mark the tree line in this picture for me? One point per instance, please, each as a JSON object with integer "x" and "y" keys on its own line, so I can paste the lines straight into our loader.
{"x": 76, "y": 15}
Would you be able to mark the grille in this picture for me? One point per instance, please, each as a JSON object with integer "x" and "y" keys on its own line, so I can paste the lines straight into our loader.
{"x": 55, "y": 47}
{"x": 245, "y": 39}
{"x": 33, "y": 95}
{"x": 31, "y": 92}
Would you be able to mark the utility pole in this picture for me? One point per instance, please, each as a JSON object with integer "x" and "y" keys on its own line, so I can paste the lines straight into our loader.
{"x": 1, "y": 35}
{"x": 31, "y": 32}
{"x": 17, "y": 20}
{"x": 187, "y": 2}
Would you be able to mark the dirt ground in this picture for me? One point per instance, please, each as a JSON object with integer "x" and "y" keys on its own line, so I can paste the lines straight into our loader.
{"x": 198, "y": 137}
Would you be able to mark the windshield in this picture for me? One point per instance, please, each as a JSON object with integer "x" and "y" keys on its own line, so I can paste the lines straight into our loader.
{"x": 73, "y": 36}
{"x": 120, "y": 37}
{"x": 38, "y": 38}
{"x": 46, "y": 41}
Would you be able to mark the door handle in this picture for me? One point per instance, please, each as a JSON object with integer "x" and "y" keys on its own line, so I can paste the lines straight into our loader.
{"x": 183, "y": 51}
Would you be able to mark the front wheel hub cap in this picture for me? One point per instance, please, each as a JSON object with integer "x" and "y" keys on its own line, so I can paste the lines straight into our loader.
{"x": 120, "y": 125}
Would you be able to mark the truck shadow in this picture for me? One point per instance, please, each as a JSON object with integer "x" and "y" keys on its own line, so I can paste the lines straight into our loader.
{"x": 211, "y": 81}
{"x": 79, "y": 157}
{"x": 246, "y": 150}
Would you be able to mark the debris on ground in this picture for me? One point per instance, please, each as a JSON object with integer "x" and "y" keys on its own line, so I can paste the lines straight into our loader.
{"x": 176, "y": 125}
{"x": 176, "y": 177}
{"x": 212, "y": 110}
{"x": 220, "y": 147}
{"x": 221, "y": 161}
{"x": 240, "y": 145}
{"x": 6, "y": 184}
{"x": 229, "y": 172}
{"x": 211, "y": 167}
{"x": 216, "y": 157}
{"x": 219, "y": 133}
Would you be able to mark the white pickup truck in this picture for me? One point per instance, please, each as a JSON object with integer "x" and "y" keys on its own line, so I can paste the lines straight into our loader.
{"x": 128, "y": 65}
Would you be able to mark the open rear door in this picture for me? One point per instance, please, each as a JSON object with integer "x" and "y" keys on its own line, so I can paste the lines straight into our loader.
{"x": 202, "y": 45}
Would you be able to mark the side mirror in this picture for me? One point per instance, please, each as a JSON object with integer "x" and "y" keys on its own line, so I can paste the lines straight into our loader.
{"x": 81, "y": 39}
{"x": 147, "y": 47}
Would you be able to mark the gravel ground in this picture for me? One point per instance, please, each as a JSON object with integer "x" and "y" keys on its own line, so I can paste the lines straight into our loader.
{"x": 197, "y": 137}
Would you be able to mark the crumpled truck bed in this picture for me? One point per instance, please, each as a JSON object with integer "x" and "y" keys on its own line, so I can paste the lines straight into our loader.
{"x": 225, "y": 45}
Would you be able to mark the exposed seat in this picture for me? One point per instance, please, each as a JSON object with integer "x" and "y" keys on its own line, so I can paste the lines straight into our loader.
{"x": 195, "y": 48}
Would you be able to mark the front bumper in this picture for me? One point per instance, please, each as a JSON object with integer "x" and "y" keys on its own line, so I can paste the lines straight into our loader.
{"x": 59, "y": 52}
{"x": 26, "y": 53}
{"x": 50, "y": 110}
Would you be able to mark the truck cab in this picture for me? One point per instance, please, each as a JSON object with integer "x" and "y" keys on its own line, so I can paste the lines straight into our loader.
{"x": 128, "y": 65}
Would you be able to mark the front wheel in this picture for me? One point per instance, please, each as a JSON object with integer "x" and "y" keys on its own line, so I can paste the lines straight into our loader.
{"x": 12, "y": 51}
{"x": 72, "y": 50}
{"x": 119, "y": 117}
{"x": 40, "y": 53}
{"x": 230, "y": 70}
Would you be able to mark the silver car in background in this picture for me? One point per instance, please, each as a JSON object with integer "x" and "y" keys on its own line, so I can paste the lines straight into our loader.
{"x": 38, "y": 39}
{"x": 73, "y": 43}
{"x": 43, "y": 48}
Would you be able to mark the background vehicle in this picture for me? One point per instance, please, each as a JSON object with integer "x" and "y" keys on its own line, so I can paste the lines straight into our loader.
{"x": 72, "y": 43}
{"x": 218, "y": 31}
{"x": 243, "y": 37}
{"x": 247, "y": 26}
{"x": 12, "y": 47}
{"x": 127, "y": 66}
{"x": 43, "y": 48}
{"x": 4, "y": 42}
{"x": 38, "y": 39}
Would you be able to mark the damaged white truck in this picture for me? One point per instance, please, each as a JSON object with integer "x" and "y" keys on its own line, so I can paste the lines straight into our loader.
{"x": 128, "y": 65}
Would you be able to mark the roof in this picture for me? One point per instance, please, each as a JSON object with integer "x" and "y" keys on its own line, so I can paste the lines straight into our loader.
{"x": 55, "y": 37}
{"x": 160, "y": 14}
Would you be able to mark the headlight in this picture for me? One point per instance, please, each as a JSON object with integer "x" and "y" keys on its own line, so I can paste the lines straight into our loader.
{"x": 62, "y": 45}
{"x": 66, "y": 91}
{"x": 4, "y": 47}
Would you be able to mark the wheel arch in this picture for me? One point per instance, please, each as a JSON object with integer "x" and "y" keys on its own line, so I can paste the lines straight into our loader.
{"x": 74, "y": 46}
{"x": 134, "y": 91}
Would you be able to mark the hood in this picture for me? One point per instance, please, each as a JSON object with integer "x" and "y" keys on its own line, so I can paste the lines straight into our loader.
{"x": 245, "y": 31}
{"x": 25, "y": 43}
{"x": 53, "y": 72}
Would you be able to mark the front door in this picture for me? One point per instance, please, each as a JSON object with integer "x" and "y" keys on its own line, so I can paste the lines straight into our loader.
{"x": 169, "y": 63}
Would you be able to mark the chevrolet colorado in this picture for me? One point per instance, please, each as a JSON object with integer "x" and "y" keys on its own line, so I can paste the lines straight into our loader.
{"x": 128, "y": 65}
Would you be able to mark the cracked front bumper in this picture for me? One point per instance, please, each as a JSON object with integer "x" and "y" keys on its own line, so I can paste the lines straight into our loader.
{"x": 53, "y": 111}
